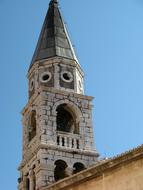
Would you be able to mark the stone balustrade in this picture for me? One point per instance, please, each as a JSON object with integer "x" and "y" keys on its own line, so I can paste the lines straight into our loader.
{"x": 68, "y": 140}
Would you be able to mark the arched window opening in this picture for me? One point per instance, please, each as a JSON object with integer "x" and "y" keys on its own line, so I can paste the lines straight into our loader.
{"x": 66, "y": 120}
{"x": 60, "y": 170}
{"x": 77, "y": 167}
{"x": 34, "y": 181}
{"x": 34, "y": 177}
{"x": 27, "y": 184}
{"x": 32, "y": 125}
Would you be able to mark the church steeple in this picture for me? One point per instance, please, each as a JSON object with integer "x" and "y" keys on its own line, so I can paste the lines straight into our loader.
{"x": 57, "y": 120}
{"x": 54, "y": 40}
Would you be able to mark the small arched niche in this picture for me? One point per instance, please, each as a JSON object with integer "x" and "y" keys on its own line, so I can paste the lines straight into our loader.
{"x": 78, "y": 167}
{"x": 34, "y": 181}
{"x": 27, "y": 184}
{"x": 60, "y": 170}
{"x": 66, "y": 119}
{"x": 32, "y": 125}
{"x": 34, "y": 177}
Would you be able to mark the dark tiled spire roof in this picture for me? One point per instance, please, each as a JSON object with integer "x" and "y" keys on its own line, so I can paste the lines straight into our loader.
{"x": 54, "y": 39}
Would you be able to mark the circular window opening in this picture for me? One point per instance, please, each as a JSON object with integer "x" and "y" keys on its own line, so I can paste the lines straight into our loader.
{"x": 32, "y": 85}
{"x": 67, "y": 77}
{"x": 45, "y": 77}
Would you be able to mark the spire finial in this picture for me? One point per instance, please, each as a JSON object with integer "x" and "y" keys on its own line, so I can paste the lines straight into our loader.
{"x": 53, "y": 2}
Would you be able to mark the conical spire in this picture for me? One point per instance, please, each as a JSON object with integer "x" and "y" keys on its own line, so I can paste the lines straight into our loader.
{"x": 54, "y": 39}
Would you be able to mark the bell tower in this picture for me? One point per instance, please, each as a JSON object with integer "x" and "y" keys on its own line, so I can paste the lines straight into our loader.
{"x": 57, "y": 120}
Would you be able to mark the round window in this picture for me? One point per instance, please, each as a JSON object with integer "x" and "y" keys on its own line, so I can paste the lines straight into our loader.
{"x": 67, "y": 76}
{"x": 32, "y": 85}
{"x": 45, "y": 77}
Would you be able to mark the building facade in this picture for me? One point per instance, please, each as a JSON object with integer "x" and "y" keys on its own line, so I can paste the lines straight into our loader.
{"x": 57, "y": 120}
{"x": 123, "y": 172}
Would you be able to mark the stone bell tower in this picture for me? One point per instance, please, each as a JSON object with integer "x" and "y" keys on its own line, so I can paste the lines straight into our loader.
{"x": 57, "y": 120}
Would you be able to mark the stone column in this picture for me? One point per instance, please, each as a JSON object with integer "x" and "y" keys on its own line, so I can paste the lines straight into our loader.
{"x": 24, "y": 182}
{"x": 69, "y": 169}
{"x": 31, "y": 177}
{"x": 56, "y": 76}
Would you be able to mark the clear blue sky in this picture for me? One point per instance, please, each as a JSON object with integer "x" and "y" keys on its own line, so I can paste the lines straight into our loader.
{"x": 108, "y": 37}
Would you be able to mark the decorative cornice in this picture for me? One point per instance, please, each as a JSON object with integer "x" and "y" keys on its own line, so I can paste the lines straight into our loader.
{"x": 53, "y": 90}
{"x": 74, "y": 151}
{"x": 53, "y": 147}
{"x": 53, "y": 61}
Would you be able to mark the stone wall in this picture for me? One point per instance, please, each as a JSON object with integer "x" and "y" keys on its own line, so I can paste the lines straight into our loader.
{"x": 50, "y": 145}
{"x": 124, "y": 172}
{"x": 126, "y": 177}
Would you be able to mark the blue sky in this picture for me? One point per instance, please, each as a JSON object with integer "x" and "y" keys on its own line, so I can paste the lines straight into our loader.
{"x": 108, "y": 38}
